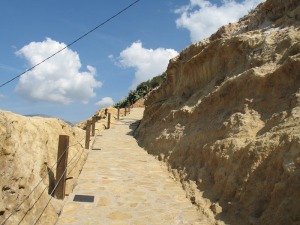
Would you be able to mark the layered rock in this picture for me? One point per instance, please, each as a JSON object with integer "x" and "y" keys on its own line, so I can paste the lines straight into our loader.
{"x": 28, "y": 152}
{"x": 227, "y": 118}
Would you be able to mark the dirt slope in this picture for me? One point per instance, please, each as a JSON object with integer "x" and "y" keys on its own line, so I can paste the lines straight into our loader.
{"x": 227, "y": 118}
{"x": 28, "y": 149}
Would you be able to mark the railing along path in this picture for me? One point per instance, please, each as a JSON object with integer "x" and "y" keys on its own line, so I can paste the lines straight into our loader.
{"x": 63, "y": 165}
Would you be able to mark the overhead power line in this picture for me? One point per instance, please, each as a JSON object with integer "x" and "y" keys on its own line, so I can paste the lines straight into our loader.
{"x": 73, "y": 42}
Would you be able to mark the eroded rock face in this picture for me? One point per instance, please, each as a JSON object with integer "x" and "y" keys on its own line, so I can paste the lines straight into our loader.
{"x": 28, "y": 151}
{"x": 102, "y": 115}
{"x": 227, "y": 118}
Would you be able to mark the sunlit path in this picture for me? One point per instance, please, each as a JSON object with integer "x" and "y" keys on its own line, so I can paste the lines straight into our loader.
{"x": 121, "y": 184}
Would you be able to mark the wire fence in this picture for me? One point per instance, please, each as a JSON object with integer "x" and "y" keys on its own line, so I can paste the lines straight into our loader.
{"x": 47, "y": 203}
{"x": 72, "y": 162}
{"x": 76, "y": 156}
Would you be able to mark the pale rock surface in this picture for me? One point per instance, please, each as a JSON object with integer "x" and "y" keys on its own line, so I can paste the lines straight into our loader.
{"x": 102, "y": 115}
{"x": 139, "y": 104}
{"x": 127, "y": 185}
{"x": 227, "y": 119}
{"x": 28, "y": 150}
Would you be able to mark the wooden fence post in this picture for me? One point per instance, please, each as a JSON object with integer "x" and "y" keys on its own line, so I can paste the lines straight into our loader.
{"x": 125, "y": 110}
{"x": 118, "y": 113}
{"x": 87, "y": 134}
{"x": 93, "y": 125}
{"x": 108, "y": 120}
{"x": 61, "y": 168}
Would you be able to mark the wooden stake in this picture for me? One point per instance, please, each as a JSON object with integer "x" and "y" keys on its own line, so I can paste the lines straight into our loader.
{"x": 87, "y": 134}
{"x": 118, "y": 113}
{"x": 93, "y": 126}
{"x": 108, "y": 120}
{"x": 61, "y": 169}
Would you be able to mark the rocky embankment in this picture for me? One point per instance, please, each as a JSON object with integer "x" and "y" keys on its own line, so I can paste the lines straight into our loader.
{"x": 102, "y": 115}
{"x": 227, "y": 119}
{"x": 28, "y": 151}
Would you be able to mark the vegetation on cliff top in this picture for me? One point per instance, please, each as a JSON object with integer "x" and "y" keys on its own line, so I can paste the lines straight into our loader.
{"x": 141, "y": 91}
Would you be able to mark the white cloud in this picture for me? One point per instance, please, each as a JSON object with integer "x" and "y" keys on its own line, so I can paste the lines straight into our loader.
{"x": 2, "y": 96}
{"x": 105, "y": 102}
{"x": 202, "y": 18}
{"x": 146, "y": 62}
{"x": 59, "y": 79}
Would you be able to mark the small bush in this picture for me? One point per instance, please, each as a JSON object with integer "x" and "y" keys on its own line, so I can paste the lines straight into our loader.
{"x": 141, "y": 91}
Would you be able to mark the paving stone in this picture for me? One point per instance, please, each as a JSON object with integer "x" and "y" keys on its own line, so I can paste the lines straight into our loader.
{"x": 130, "y": 186}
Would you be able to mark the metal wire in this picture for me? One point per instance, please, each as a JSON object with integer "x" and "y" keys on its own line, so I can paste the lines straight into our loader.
{"x": 42, "y": 211}
{"x": 76, "y": 162}
{"x": 69, "y": 172}
{"x": 43, "y": 178}
{"x": 73, "y": 42}
{"x": 33, "y": 204}
{"x": 51, "y": 194}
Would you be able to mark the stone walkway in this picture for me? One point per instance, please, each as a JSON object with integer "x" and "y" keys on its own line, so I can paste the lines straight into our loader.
{"x": 123, "y": 185}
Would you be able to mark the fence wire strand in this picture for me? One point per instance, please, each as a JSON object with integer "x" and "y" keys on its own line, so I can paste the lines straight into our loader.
{"x": 43, "y": 178}
{"x": 51, "y": 196}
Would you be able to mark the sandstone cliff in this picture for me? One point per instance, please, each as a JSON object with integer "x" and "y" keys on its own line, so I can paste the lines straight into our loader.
{"x": 102, "y": 115}
{"x": 227, "y": 118}
{"x": 28, "y": 150}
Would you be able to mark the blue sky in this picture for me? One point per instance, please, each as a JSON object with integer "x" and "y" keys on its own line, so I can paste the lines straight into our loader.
{"x": 101, "y": 68}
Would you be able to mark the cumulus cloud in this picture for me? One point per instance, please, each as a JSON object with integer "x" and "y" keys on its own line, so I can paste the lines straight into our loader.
{"x": 105, "y": 102}
{"x": 59, "y": 79}
{"x": 202, "y": 18}
{"x": 146, "y": 62}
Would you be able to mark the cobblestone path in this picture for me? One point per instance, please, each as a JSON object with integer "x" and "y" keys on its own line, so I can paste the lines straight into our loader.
{"x": 121, "y": 184}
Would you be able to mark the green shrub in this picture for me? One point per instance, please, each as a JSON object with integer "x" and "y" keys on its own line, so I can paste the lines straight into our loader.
{"x": 141, "y": 91}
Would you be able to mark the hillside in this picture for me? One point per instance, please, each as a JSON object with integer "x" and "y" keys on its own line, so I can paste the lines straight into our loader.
{"x": 28, "y": 151}
{"x": 227, "y": 119}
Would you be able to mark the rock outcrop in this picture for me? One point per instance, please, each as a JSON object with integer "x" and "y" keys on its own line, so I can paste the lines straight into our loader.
{"x": 227, "y": 118}
{"x": 139, "y": 104}
{"x": 28, "y": 151}
{"x": 102, "y": 115}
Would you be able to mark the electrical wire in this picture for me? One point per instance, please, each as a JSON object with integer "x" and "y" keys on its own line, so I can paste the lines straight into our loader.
{"x": 73, "y": 42}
